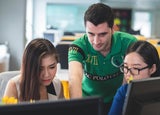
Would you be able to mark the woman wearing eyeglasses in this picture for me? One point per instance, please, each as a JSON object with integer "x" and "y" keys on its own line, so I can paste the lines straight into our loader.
{"x": 141, "y": 61}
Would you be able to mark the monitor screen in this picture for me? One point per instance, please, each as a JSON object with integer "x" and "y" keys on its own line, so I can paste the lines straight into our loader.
{"x": 54, "y": 36}
{"x": 143, "y": 97}
{"x": 79, "y": 106}
{"x": 49, "y": 36}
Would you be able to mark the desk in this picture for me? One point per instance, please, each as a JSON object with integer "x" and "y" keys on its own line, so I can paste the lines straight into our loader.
{"x": 71, "y": 37}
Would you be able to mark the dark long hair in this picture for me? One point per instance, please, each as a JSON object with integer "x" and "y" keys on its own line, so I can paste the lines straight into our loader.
{"x": 149, "y": 54}
{"x": 30, "y": 68}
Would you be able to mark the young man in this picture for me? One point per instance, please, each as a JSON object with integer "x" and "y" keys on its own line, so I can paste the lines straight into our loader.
{"x": 95, "y": 58}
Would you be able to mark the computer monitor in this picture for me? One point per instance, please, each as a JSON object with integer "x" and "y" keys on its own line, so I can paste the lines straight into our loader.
{"x": 53, "y": 35}
{"x": 143, "y": 97}
{"x": 79, "y": 106}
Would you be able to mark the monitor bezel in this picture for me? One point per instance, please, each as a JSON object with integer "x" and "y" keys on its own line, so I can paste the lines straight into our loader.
{"x": 141, "y": 95}
{"x": 58, "y": 107}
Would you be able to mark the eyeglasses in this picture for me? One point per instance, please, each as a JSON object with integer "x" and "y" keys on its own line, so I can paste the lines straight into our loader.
{"x": 133, "y": 71}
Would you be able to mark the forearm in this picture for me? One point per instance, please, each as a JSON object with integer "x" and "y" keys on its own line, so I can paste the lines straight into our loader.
{"x": 75, "y": 90}
{"x": 75, "y": 80}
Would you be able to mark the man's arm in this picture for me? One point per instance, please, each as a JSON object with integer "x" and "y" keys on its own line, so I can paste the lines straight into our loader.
{"x": 75, "y": 79}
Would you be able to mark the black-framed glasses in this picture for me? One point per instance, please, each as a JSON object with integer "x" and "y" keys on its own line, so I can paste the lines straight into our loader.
{"x": 133, "y": 71}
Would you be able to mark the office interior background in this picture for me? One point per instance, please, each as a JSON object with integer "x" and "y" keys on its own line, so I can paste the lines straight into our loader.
{"x": 24, "y": 20}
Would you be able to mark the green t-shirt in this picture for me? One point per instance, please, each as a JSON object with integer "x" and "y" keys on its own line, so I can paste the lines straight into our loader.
{"x": 102, "y": 76}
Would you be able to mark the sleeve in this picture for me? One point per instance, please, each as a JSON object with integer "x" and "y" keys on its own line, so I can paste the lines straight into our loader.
{"x": 76, "y": 53}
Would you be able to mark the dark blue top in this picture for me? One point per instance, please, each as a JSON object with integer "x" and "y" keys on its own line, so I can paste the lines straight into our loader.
{"x": 118, "y": 101}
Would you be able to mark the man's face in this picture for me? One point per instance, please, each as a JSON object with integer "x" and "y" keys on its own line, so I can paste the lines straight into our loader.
{"x": 99, "y": 36}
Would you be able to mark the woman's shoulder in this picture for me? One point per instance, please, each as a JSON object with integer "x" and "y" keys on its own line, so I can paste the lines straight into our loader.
{"x": 56, "y": 80}
{"x": 12, "y": 82}
{"x": 58, "y": 87}
{"x": 11, "y": 87}
{"x": 15, "y": 79}
{"x": 123, "y": 89}
{"x": 57, "y": 83}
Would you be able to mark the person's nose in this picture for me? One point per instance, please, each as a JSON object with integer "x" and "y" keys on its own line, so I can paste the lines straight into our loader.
{"x": 46, "y": 73}
{"x": 96, "y": 39}
{"x": 128, "y": 74}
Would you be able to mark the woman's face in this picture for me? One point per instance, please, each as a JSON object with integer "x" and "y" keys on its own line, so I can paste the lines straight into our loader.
{"x": 134, "y": 60}
{"x": 48, "y": 69}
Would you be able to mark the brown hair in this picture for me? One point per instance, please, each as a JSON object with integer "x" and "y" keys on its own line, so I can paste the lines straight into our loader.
{"x": 30, "y": 69}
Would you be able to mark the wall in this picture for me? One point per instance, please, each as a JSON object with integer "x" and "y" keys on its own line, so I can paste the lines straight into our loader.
{"x": 156, "y": 24}
{"x": 39, "y": 20}
{"x": 152, "y": 6}
{"x": 12, "y": 29}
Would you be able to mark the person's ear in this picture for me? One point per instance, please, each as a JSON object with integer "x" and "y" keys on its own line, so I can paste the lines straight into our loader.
{"x": 153, "y": 68}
